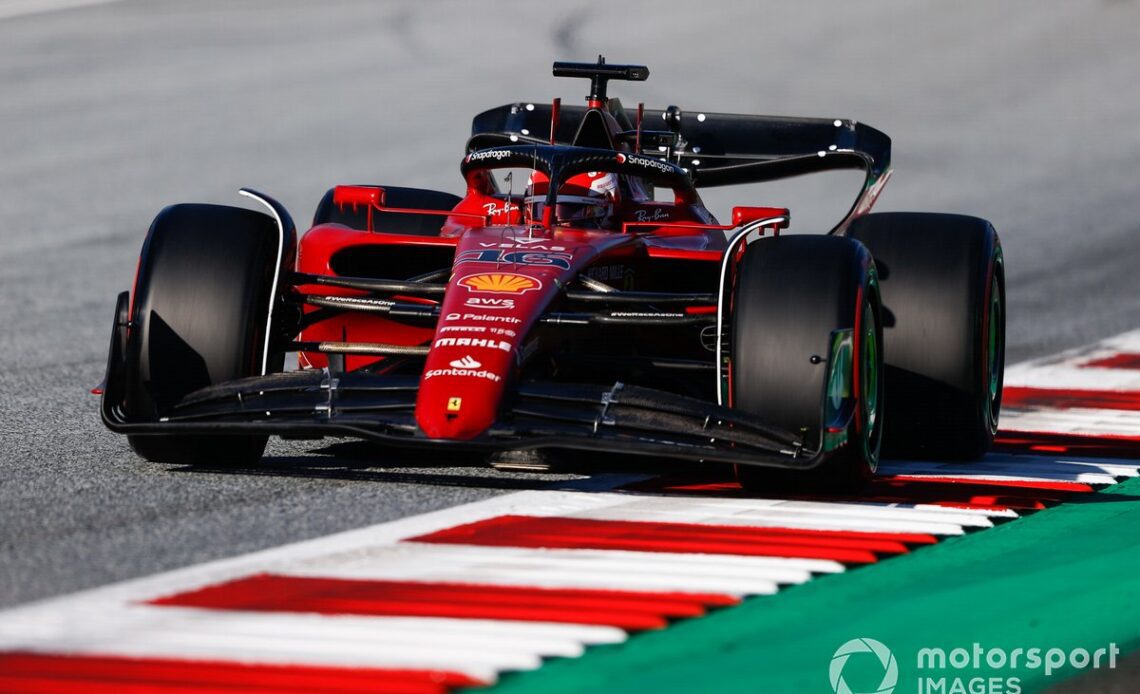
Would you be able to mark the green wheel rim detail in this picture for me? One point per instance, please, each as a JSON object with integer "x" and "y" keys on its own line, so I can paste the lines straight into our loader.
{"x": 993, "y": 348}
{"x": 870, "y": 373}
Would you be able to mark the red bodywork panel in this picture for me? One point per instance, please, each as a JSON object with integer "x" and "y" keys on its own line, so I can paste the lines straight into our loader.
{"x": 372, "y": 196}
{"x": 503, "y": 279}
{"x": 314, "y": 254}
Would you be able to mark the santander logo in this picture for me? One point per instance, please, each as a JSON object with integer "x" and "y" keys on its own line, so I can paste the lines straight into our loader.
{"x": 465, "y": 363}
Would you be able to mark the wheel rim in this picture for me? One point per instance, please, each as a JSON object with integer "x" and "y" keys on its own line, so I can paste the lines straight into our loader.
{"x": 995, "y": 349}
{"x": 870, "y": 381}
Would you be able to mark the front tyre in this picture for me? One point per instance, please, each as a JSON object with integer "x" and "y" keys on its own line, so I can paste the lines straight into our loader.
{"x": 200, "y": 317}
{"x": 806, "y": 356}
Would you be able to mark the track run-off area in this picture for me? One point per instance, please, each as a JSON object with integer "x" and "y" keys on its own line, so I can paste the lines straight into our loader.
{"x": 666, "y": 583}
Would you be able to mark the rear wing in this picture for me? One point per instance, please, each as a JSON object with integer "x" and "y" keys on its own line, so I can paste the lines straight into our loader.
{"x": 716, "y": 149}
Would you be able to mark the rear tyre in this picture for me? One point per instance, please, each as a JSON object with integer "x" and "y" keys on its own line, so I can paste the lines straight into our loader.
{"x": 943, "y": 289}
{"x": 791, "y": 296}
{"x": 201, "y": 308}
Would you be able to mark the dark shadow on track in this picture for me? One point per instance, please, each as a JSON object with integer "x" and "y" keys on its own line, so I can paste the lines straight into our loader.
{"x": 529, "y": 470}
{"x": 364, "y": 462}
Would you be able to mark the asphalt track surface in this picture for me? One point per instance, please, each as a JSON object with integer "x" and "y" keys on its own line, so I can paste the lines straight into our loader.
{"x": 1019, "y": 112}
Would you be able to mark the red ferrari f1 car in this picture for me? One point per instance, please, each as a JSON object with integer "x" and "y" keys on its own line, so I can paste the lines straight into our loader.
{"x": 596, "y": 305}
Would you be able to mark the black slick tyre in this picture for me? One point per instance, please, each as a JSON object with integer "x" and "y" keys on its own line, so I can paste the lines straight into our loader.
{"x": 199, "y": 317}
{"x": 943, "y": 289}
{"x": 793, "y": 296}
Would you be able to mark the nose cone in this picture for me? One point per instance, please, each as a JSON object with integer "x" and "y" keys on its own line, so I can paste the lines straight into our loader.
{"x": 463, "y": 383}
{"x": 485, "y": 316}
{"x": 502, "y": 280}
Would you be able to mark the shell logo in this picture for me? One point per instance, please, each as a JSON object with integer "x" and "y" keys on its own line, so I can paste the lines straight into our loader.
{"x": 500, "y": 282}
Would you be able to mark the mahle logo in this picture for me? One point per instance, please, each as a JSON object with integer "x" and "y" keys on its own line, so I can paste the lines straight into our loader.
{"x": 855, "y": 647}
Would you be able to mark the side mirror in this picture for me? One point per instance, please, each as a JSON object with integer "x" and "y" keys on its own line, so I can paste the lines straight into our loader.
{"x": 358, "y": 195}
{"x": 746, "y": 215}
{"x": 371, "y": 197}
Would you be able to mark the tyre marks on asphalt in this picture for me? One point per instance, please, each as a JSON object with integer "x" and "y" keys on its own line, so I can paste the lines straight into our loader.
{"x": 454, "y": 598}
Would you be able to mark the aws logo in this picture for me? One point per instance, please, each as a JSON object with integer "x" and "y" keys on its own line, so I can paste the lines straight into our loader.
{"x": 491, "y": 302}
{"x": 500, "y": 283}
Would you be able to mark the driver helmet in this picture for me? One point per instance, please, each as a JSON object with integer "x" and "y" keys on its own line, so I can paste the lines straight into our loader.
{"x": 585, "y": 200}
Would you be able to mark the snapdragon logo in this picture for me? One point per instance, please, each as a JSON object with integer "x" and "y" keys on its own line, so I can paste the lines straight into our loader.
{"x": 867, "y": 646}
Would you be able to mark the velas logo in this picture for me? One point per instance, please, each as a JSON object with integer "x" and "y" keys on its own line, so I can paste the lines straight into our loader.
{"x": 524, "y": 257}
{"x": 500, "y": 282}
{"x": 864, "y": 646}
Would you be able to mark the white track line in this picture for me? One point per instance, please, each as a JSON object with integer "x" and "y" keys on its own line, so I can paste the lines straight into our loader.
{"x": 790, "y": 514}
{"x": 1070, "y": 371}
{"x": 1067, "y": 370}
{"x": 1118, "y": 467}
{"x": 274, "y": 559}
{"x": 1076, "y": 420}
{"x": 570, "y": 568}
{"x": 1070, "y": 376}
{"x": 308, "y": 639}
{"x": 899, "y": 515}
{"x": 1028, "y": 468}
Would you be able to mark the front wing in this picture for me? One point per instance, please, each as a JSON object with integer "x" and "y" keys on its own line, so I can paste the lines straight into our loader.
{"x": 618, "y": 418}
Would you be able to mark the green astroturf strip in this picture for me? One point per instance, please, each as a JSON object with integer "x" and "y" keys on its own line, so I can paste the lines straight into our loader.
{"x": 1066, "y": 578}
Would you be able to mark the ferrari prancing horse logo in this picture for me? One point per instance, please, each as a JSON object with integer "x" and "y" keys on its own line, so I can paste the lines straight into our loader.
{"x": 501, "y": 283}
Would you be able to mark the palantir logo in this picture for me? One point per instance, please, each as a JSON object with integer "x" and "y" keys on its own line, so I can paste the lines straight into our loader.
{"x": 856, "y": 646}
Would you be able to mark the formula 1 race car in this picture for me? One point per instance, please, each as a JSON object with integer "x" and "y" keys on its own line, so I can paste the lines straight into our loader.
{"x": 600, "y": 306}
